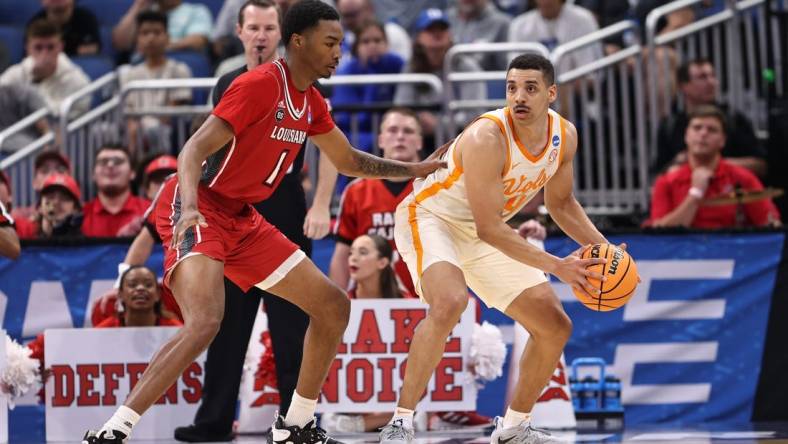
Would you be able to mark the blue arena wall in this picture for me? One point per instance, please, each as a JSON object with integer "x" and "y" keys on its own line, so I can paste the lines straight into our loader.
{"x": 692, "y": 345}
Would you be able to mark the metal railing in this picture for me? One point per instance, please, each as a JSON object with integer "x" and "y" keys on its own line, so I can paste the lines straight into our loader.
{"x": 180, "y": 116}
{"x": 615, "y": 101}
{"x": 454, "y": 105}
{"x": 605, "y": 100}
{"x": 376, "y": 109}
{"x": 727, "y": 38}
{"x": 82, "y": 136}
{"x": 20, "y": 163}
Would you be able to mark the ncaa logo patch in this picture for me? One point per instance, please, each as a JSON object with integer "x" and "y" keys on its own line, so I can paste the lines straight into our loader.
{"x": 556, "y": 140}
{"x": 552, "y": 156}
{"x": 280, "y": 114}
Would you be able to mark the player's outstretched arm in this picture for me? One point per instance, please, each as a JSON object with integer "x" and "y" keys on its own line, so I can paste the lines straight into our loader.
{"x": 352, "y": 162}
{"x": 208, "y": 139}
{"x": 483, "y": 158}
{"x": 560, "y": 199}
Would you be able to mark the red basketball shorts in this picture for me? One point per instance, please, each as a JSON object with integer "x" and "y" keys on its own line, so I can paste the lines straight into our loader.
{"x": 254, "y": 252}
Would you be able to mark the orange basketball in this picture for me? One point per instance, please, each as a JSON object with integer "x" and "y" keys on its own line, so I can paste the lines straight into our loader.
{"x": 622, "y": 278}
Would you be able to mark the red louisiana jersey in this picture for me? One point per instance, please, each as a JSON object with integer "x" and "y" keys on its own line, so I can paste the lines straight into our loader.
{"x": 271, "y": 119}
{"x": 5, "y": 217}
{"x": 367, "y": 207}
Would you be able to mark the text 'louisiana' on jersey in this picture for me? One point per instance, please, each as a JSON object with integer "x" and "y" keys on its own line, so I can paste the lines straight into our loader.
{"x": 443, "y": 191}
{"x": 270, "y": 119}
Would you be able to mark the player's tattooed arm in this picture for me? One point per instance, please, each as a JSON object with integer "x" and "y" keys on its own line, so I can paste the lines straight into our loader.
{"x": 368, "y": 165}
{"x": 352, "y": 162}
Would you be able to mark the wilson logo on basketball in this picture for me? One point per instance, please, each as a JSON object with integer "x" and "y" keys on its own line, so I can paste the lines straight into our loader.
{"x": 617, "y": 256}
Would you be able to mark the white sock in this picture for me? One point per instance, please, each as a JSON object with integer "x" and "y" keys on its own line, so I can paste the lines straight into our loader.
{"x": 406, "y": 415}
{"x": 301, "y": 411}
{"x": 514, "y": 418}
{"x": 123, "y": 420}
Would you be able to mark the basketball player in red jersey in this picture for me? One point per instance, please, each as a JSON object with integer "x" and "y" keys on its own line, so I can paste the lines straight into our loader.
{"x": 209, "y": 228}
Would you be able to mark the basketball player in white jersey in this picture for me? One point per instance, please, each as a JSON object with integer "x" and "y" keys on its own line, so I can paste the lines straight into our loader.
{"x": 452, "y": 233}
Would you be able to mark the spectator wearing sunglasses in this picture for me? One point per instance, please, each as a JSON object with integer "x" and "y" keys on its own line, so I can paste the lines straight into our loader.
{"x": 115, "y": 212}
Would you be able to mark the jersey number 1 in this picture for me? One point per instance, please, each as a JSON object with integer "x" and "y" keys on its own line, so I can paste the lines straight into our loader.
{"x": 275, "y": 173}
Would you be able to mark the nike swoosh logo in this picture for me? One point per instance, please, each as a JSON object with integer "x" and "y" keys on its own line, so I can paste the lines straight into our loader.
{"x": 504, "y": 441}
{"x": 280, "y": 435}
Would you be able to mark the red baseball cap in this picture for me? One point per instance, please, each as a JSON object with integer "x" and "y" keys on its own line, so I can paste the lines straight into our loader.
{"x": 164, "y": 162}
{"x": 64, "y": 181}
{"x": 55, "y": 155}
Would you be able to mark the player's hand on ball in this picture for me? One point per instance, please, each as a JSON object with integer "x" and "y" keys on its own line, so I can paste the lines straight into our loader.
{"x": 573, "y": 270}
{"x": 188, "y": 219}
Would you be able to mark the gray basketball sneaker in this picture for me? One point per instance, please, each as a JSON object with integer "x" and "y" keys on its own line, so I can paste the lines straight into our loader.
{"x": 396, "y": 432}
{"x": 522, "y": 434}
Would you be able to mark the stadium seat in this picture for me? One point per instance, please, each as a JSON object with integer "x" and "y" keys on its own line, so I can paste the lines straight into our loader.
{"x": 496, "y": 89}
{"x": 214, "y": 5}
{"x": 16, "y": 12}
{"x": 108, "y": 12}
{"x": 197, "y": 61}
{"x": 200, "y": 66}
{"x": 105, "y": 32}
{"x": 94, "y": 66}
{"x": 14, "y": 40}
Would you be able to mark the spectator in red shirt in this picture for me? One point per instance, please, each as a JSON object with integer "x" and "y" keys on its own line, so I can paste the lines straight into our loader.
{"x": 367, "y": 205}
{"x": 58, "y": 212}
{"x": 155, "y": 172}
{"x": 47, "y": 163}
{"x": 678, "y": 195}
{"x": 115, "y": 212}
{"x": 139, "y": 294}
{"x": 140, "y": 299}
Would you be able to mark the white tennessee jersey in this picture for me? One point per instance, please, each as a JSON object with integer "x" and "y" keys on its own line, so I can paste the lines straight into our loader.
{"x": 443, "y": 193}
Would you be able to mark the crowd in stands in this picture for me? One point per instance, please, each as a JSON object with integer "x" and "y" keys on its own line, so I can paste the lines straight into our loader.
{"x": 178, "y": 39}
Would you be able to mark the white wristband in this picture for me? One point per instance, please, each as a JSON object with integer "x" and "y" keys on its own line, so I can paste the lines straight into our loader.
{"x": 122, "y": 267}
{"x": 696, "y": 192}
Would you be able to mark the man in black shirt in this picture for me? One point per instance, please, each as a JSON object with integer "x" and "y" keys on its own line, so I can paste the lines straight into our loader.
{"x": 259, "y": 30}
{"x": 699, "y": 86}
{"x": 78, "y": 25}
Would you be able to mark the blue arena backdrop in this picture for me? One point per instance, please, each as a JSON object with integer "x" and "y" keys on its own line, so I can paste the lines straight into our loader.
{"x": 688, "y": 347}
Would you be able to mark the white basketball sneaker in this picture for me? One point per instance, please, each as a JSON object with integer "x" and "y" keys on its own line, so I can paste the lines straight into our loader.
{"x": 521, "y": 434}
{"x": 396, "y": 432}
